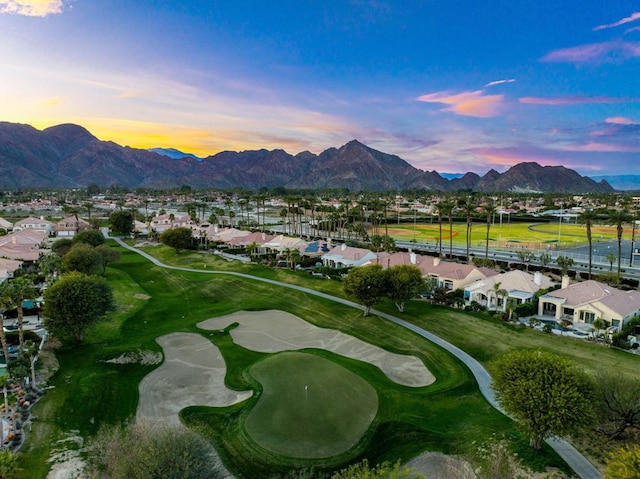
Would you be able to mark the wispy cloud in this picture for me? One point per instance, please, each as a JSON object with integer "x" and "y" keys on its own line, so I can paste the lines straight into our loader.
{"x": 32, "y": 8}
{"x": 621, "y": 120}
{"x": 575, "y": 100}
{"x": 595, "y": 52}
{"x": 594, "y": 146}
{"x": 470, "y": 103}
{"x": 631, "y": 18}
{"x": 499, "y": 82}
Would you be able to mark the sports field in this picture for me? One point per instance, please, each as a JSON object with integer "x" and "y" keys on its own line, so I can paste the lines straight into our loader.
{"x": 530, "y": 235}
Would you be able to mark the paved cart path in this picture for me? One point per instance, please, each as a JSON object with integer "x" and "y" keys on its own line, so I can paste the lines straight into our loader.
{"x": 581, "y": 466}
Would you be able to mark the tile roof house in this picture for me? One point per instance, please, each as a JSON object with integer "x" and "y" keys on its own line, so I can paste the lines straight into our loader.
{"x": 8, "y": 267}
{"x": 7, "y": 225}
{"x": 586, "y": 301}
{"x": 71, "y": 225}
{"x": 24, "y": 245}
{"x": 449, "y": 275}
{"x": 343, "y": 256}
{"x": 35, "y": 224}
{"x": 519, "y": 285}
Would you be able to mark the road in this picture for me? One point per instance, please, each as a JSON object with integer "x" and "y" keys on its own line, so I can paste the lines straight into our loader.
{"x": 581, "y": 466}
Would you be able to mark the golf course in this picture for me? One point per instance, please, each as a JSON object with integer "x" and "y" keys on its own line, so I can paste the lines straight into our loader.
{"x": 271, "y": 397}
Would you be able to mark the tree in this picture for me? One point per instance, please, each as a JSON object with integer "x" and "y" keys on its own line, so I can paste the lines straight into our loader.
{"x": 367, "y": 284}
{"x": 488, "y": 209}
{"x": 497, "y": 293}
{"x": 83, "y": 258}
{"x": 385, "y": 470}
{"x": 598, "y": 325}
{"x": 62, "y": 246}
{"x": 619, "y": 403}
{"x": 177, "y": 238}
{"x": 146, "y": 451}
{"x": 619, "y": 217}
{"x": 564, "y": 262}
{"x": 611, "y": 258}
{"x": 526, "y": 257}
{"x": 624, "y": 463}
{"x": 586, "y": 218}
{"x": 545, "y": 259}
{"x": 50, "y": 265}
{"x": 108, "y": 255}
{"x": 91, "y": 237}
{"x": 469, "y": 208}
{"x": 74, "y": 303}
{"x": 121, "y": 222}
{"x": 544, "y": 393}
{"x": 404, "y": 283}
{"x": 9, "y": 464}
{"x": 13, "y": 294}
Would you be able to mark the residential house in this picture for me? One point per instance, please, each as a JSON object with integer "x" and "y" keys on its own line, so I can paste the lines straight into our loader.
{"x": 35, "y": 224}
{"x": 6, "y": 225}
{"x": 520, "y": 287}
{"x": 343, "y": 256}
{"x": 23, "y": 245}
{"x": 589, "y": 300}
{"x": 71, "y": 225}
{"x": 8, "y": 267}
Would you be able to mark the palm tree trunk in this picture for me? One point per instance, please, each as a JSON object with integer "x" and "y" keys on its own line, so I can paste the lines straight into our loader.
{"x": 20, "y": 328}
{"x": 3, "y": 340}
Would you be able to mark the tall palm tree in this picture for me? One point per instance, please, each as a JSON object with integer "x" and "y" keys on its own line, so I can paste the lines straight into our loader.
{"x": 440, "y": 207}
{"x": 469, "y": 207}
{"x": 488, "y": 209}
{"x": 619, "y": 217}
{"x": 586, "y": 218}
{"x": 498, "y": 292}
{"x": 16, "y": 291}
{"x": 449, "y": 205}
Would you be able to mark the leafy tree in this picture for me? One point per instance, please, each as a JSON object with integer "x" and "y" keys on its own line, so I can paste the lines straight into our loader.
{"x": 545, "y": 259}
{"x": 611, "y": 258}
{"x": 9, "y": 464}
{"x": 50, "y": 264}
{"x": 12, "y": 294}
{"x": 143, "y": 451}
{"x": 83, "y": 258}
{"x": 624, "y": 463}
{"x": 74, "y": 303}
{"x": 404, "y": 283}
{"x": 385, "y": 470}
{"x": 121, "y": 222}
{"x": 108, "y": 255}
{"x": 564, "y": 262}
{"x": 177, "y": 238}
{"x": 526, "y": 257}
{"x": 367, "y": 284}
{"x": 62, "y": 246}
{"x": 544, "y": 392}
{"x": 598, "y": 325}
{"x": 619, "y": 405}
{"x": 91, "y": 237}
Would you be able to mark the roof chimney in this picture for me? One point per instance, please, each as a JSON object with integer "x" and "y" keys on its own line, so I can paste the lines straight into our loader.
{"x": 413, "y": 258}
{"x": 343, "y": 246}
{"x": 566, "y": 281}
{"x": 436, "y": 261}
{"x": 537, "y": 278}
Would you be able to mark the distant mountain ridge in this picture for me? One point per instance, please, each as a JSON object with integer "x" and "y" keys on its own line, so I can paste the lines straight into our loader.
{"x": 70, "y": 156}
{"x": 173, "y": 153}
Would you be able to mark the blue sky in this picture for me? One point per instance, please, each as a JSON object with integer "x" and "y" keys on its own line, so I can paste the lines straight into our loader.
{"x": 450, "y": 85}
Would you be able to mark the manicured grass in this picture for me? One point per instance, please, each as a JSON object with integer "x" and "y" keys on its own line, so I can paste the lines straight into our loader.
{"x": 309, "y": 407}
{"x": 449, "y": 416}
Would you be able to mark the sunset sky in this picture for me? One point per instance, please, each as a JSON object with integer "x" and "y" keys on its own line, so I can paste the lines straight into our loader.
{"x": 448, "y": 85}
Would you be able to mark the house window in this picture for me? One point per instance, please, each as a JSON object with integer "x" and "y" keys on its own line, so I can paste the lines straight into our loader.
{"x": 587, "y": 317}
{"x": 448, "y": 285}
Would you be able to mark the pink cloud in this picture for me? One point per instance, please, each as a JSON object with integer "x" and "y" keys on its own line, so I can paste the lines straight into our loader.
{"x": 499, "y": 82}
{"x": 633, "y": 17}
{"x": 31, "y": 8}
{"x": 595, "y": 52}
{"x": 632, "y": 29}
{"x": 472, "y": 103}
{"x": 621, "y": 120}
{"x": 575, "y": 100}
{"x": 602, "y": 148}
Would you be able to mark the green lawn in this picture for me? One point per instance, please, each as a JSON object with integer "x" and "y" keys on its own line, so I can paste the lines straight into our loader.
{"x": 449, "y": 416}
{"x": 309, "y": 407}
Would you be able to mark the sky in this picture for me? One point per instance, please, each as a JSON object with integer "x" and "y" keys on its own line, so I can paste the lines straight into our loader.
{"x": 447, "y": 85}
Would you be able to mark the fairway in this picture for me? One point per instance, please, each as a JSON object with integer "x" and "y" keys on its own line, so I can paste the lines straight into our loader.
{"x": 310, "y": 407}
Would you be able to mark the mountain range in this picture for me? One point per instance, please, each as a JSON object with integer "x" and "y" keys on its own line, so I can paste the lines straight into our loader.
{"x": 70, "y": 156}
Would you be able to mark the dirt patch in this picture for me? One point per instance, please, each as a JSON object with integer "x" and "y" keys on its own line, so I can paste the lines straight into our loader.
{"x": 137, "y": 357}
{"x": 65, "y": 456}
{"x": 436, "y": 464}
{"x": 141, "y": 296}
{"x": 275, "y": 331}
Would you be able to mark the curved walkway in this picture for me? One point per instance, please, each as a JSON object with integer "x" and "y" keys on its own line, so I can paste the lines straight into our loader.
{"x": 581, "y": 466}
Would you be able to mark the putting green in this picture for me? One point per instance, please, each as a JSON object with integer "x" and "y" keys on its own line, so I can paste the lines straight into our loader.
{"x": 310, "y": 406}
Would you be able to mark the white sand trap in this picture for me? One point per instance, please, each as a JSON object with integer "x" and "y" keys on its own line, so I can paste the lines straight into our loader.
{"x": 441, "y": 466}
{"x": 192, "y": 375}
{"x": 274, "y": 331}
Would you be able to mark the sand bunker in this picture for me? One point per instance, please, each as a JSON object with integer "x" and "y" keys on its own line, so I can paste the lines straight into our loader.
{"x": 192, "y": 375}
{"x": 274, "y": 331}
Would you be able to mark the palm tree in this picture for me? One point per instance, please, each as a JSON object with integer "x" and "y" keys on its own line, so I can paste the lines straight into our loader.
{"x": 586, "y": 218}
{"x": 448, "y": 209}
{"x": 16, "y": 292}
{"x": 488, "y": 209}
{"x": 619, "y": 217}
{"x": 440, "y": 206}
{"x": 498, "y": 292}
{"x": 469, "y": 208}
